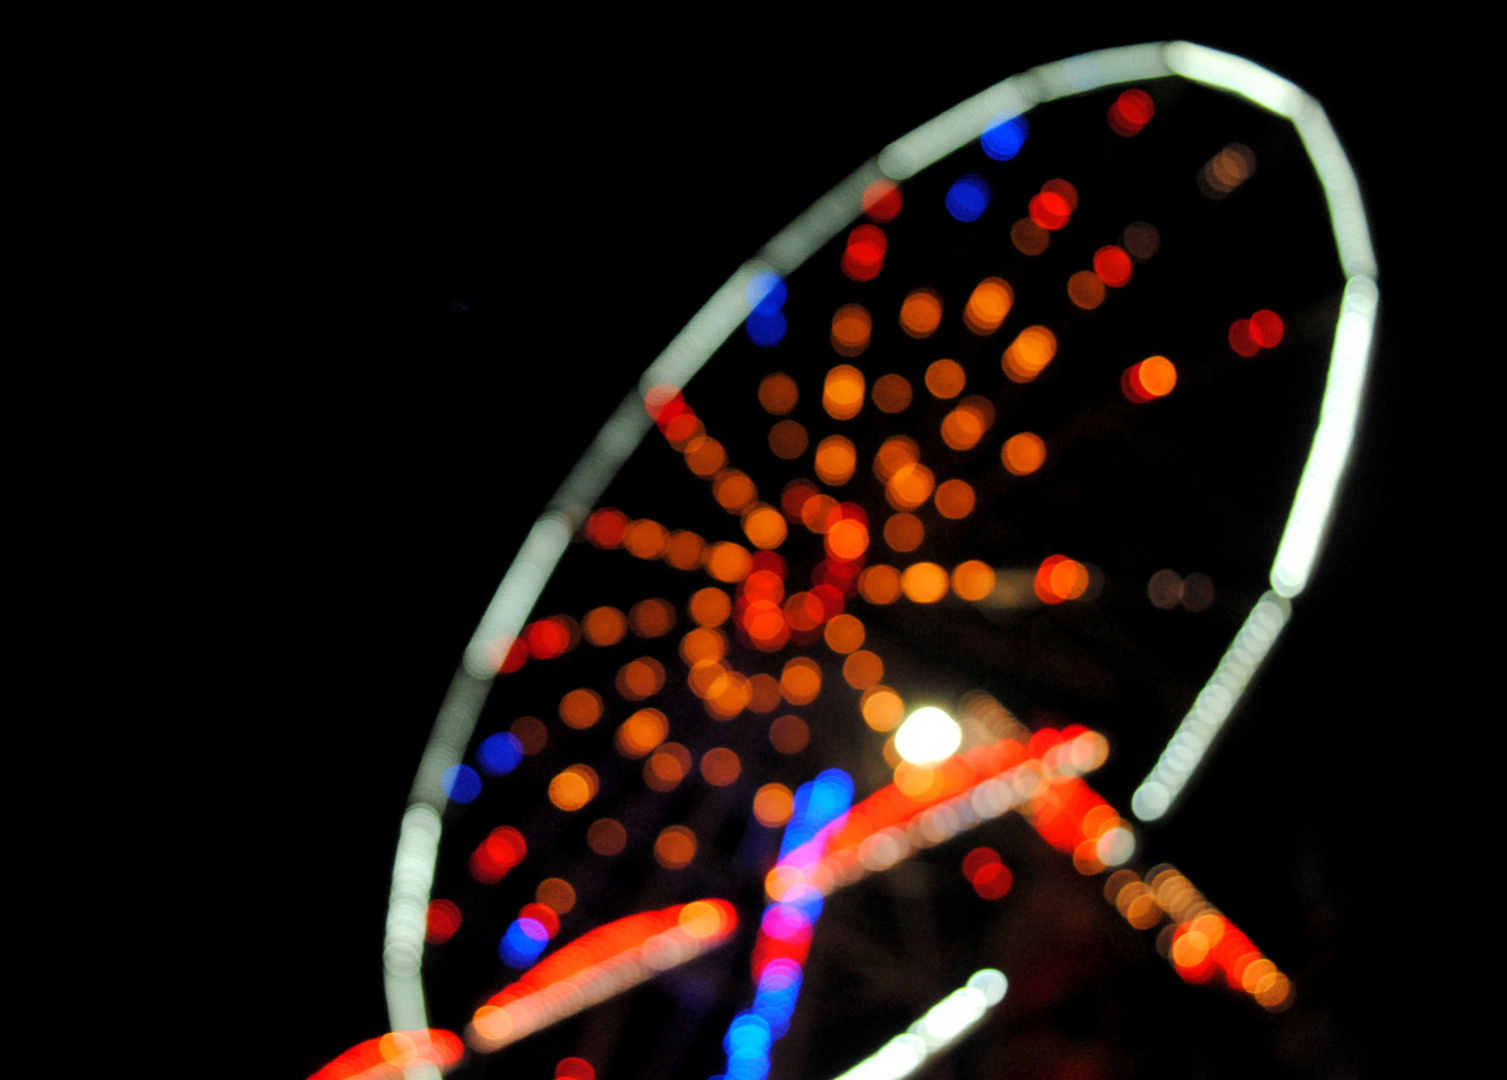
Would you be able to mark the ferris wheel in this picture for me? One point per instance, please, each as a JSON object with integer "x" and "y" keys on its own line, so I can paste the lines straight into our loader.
{"x": 829, "y": 710}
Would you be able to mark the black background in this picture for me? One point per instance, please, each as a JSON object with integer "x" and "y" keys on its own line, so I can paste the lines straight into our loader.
{"x": 430, "y": 201}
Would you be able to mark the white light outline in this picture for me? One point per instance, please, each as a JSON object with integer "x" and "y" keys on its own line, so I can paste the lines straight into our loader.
{"x": 943, "y": 1025}
{"x": 720, "y": 316}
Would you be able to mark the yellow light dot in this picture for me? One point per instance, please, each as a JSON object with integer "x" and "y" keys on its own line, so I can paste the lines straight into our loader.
{"x": 581, "y": 708}
{"x": 973, "y": 580}
{"x": 675, "y": 847}
{"x": 764, "y": 526}
{"x": 879, "y": 584}
{"x": 772, "y": 806}
{"x": 1033, "y": 349}
{"x": 892, "y": 393}
{"x": 702, "y": 643}
{"x": 604, "y": 626}
{"x": 988, "y": 305}
{"x": 801, "y": 681}
{"x": 955, "y": 499}
{"x": 642, "y": 732}
{"x": 924, "y": 582}
{"x": 667, "y": 767}
{"x": 882, "y": 708}
{"x": 705, "y": 457}
{"x": 1023, "y": 454}
{"x": 962, "y": 429}
{"x": 1158, "y": 375}
{"x": 733, "y": 490}
{"x": 945, "y": 379}
{"x": 573, "y": 788}
{"x": 910, "y": 486}
{"x": 895, "y": 452}
{"x": 842, "y": 394}
{"x": 728, "y": 562}
{"x": 921, "y": 313}
{"x": 851, "y": 326}
{"x": 844, "y": 633}
{"x": 863, "y": 669}
{"x": 835, "y": 460}
{"x": 646, "y": 539}
{"x": 778, "y": 393}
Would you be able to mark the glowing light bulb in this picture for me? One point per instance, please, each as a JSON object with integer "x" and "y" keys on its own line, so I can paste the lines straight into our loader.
{"x": 928, "y": 735}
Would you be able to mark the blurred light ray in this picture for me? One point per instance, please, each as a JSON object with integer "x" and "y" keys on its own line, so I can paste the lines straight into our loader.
{"x": 1195, "y": 735}
{"x": 944, "y": 1024}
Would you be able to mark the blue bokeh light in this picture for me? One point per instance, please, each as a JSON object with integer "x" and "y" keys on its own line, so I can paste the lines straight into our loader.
{"x": 766, "y": 328}
{"x": 767, "y": 292}
{"x": 1004, "y": 140}
{"x": 499, "y": 754}
{"x": 524, "y": 941}
{"x": 968, "y": 197}
{"x": 461, "y": 783}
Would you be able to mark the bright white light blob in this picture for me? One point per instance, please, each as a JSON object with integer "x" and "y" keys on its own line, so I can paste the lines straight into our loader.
{"x": 928, "y": 735}
{"x": 944, "y": 1023}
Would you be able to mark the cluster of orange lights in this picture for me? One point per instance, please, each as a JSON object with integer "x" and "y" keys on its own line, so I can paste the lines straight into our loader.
{"x": 1152, "y": 378}
{"x": 1263, "y": 330}
{"x": 601, "y": 962}
{"x": 1130, "y": 112}
{"x": 1200, "y": 941}
{"x": 726, "y": 561}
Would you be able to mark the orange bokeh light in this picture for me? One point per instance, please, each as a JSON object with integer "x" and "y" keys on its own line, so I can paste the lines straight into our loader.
{"x": 891, "y": 393}
{"x": 955, "y": 499}
{"x": 778, "y": 393}
{"x": 987, "y": 307}
{"x": 842, "y": 393}
{"x": 1023, "y": 454}
{"x": 1085, "y": 289}
{"x": 924, "y": 582}
{"x": 945, "y": 378}
{"x": 921, "y": 313}
{"x": 851, "y": 327}
{"x": 1033, "y": 349}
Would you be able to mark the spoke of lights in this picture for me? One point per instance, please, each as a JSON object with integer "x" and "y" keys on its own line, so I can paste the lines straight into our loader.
{"x": 730, "y": 306}
{"x": 784, "y": 939}
{"x": 1159, "y": 790}
{"x": 944, "y": 1024}
{"x": 951, "y": 797}
{"x": 1199, "y": 940}
{"x": 604, "y": 962}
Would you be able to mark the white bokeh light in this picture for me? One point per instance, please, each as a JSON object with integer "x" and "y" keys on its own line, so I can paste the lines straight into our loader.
{"x": 928, "y": 736}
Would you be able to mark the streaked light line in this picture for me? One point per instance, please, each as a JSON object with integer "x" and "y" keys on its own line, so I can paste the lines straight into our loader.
{"x": 1211, "y": 708}
{"x": 943, "y": 1025}
{"x": 1332, "y": 442}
